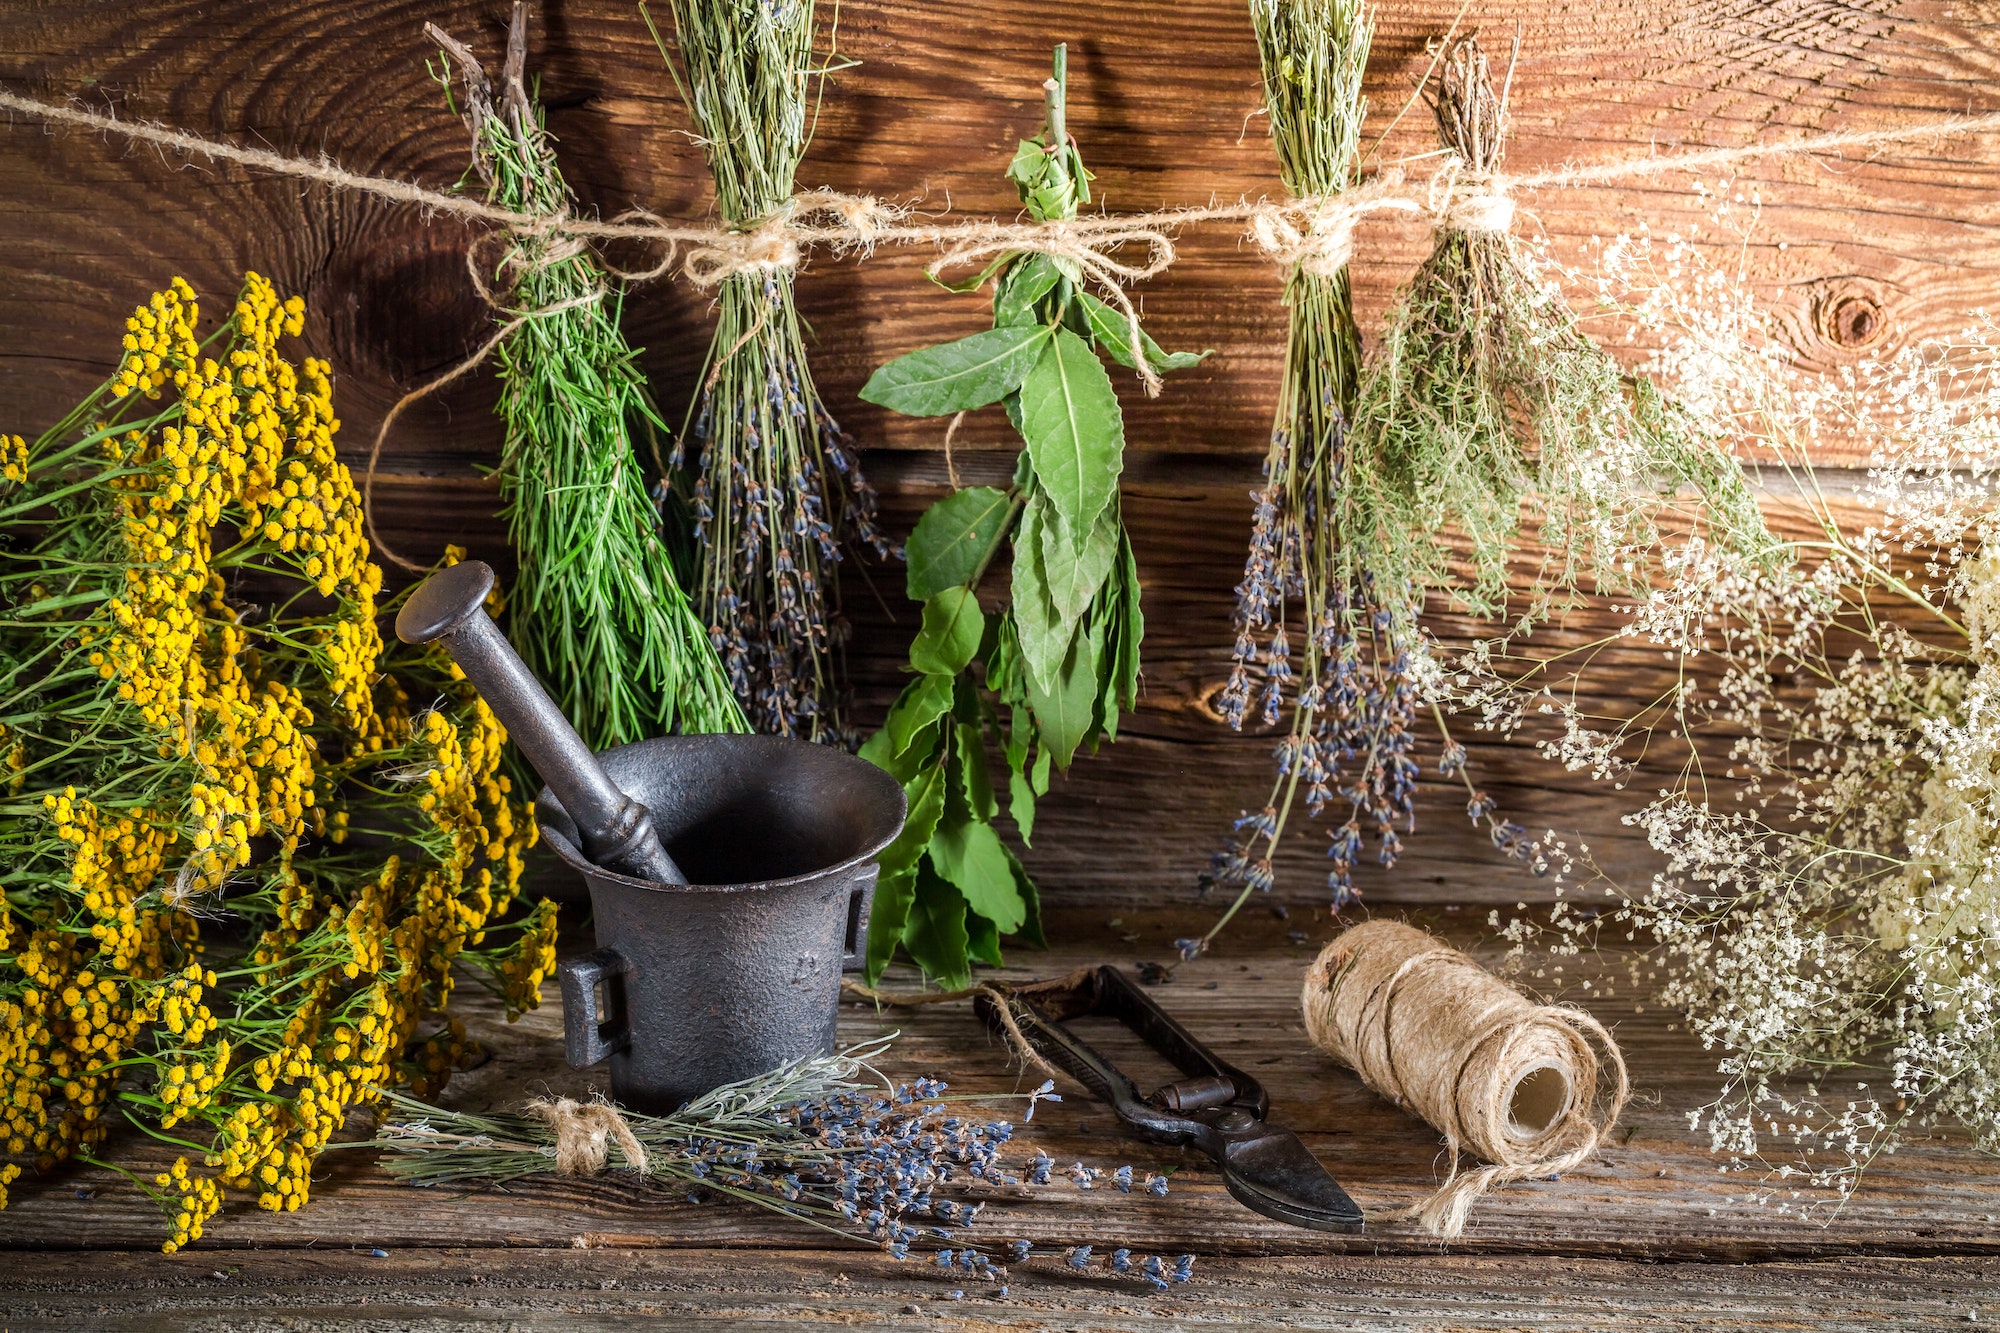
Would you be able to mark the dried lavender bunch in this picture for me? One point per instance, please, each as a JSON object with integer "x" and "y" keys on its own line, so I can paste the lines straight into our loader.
{"x": 776, "y": 487}
{"x": 596, "y": 609}
{"x": 1485, "y": 401}
{"x": 1353, "y": 711}
{"x": 825, "y": 1140}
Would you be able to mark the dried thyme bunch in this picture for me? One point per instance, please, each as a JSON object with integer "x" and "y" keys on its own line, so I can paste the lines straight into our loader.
{"x": 242, "y": 847}
{"x": 777, "y": 488}
{"x": 825, "y": 1141}
{"x": 1485, "y": 401}
{"x": 1061, "y": 657}
{"x": 596, "y": 610}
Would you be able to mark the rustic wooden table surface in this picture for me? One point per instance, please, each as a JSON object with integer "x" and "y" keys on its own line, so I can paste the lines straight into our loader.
{"x": 1854, "y": 258}
{"x": 1652, "y": 1235}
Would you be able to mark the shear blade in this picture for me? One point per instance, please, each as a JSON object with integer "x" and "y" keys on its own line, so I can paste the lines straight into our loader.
{"x": 1275, "y": 1174}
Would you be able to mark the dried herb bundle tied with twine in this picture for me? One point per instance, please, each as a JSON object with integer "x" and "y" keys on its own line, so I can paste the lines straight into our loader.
{"x": 826, "y": 1141}
{"x": 1048, "y": 671}
{"x": 771, "y": 483}
{"x": 597, "y": 610}
{"x": 1485, "y": 402}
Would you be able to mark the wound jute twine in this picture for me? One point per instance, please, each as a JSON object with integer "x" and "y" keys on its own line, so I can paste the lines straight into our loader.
{"x": 1314, "y": 236}
{"x": 584, "y": 1134}
{"x": 1533, "y": 1089}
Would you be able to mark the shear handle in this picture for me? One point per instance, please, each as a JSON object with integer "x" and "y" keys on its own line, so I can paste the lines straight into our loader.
{"x": 1042, "y": 1010}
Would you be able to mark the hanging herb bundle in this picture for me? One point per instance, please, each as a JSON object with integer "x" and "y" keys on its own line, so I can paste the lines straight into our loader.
{"x": 825, "y": 1141}
{"x": 1485, "y": 399}
{"x": 1048, "y": 672}
{"x": 777, "y": 488}
{"x": 597, "y": 610}
{"x": 238, "y": 865}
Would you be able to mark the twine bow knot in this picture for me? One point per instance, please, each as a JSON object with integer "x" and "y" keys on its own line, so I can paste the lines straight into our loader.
{"x": 585, "y": 1132}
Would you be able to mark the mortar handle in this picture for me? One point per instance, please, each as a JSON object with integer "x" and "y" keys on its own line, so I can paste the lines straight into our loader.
{"x": 615, "y": 831}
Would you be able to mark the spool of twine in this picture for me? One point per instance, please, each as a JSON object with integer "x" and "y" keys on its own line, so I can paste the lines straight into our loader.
{"x": 1532, "y": 1089}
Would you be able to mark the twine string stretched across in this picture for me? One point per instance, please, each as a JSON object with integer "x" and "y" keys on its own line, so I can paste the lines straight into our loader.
{"x": 828, "y": 219}
{"x": 1309, "y": 235}
{"x": 1431, "y": 1030}
{"x": 585, "y": 1132}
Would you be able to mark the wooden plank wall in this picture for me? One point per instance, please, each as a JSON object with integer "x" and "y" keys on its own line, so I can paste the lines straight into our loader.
{"x": 1855, "y": 257}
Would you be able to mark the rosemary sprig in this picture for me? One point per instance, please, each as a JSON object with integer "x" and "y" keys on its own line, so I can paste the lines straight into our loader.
{"x": 596, "y": 609}
{"x": 776, "y": 488}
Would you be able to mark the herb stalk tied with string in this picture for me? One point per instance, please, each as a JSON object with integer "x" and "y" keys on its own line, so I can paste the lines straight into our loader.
{"x": 1048, "y": 672}
{"x": 1484, "y": 401}
{"x": 597, "y": 610}
{"x": 826, "y": 1141}
{"x": 771, "y": 484}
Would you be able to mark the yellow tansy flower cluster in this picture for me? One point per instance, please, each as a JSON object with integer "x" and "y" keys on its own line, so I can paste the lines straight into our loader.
{"x": 13, "y": 459}
{"x": 189, "y": 937}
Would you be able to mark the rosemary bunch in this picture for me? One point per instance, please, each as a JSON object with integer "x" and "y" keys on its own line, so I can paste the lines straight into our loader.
{"x": 597, "y": 610}
{"x": 825, "y": 1140}
{"x": 776, "y": 487}
{"x": 1061, "y": 657}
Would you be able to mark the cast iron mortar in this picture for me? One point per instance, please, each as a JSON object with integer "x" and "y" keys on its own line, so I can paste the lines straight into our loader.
{"x": 733, "y": 968}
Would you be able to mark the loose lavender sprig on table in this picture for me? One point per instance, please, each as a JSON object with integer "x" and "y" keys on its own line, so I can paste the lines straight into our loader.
{"x": 776, "y": 488}
{"x": 826, "y": 1141}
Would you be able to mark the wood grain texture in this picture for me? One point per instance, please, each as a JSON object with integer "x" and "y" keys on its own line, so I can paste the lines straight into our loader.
{"x": 1857, "y": 257}
{"x": 444, "y": 1291}
{"x": 1654, "y": 1195}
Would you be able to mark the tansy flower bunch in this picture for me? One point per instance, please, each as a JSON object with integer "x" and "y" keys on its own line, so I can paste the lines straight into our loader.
{"x": 240, "y": 854}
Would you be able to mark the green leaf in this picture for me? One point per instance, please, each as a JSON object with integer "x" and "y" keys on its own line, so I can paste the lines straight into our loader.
{"x": 921, "y": 703}
{"x": 1066, "y": 710}
{"x": 1027, "y": 282}
{"x": 934, "y": 934}
{"x": 982, "y": 939}
{"x": 1070, "y": 419}
{"x": 975, "y": 780}
{"x": 925, "y": 795}
{"x": 1021, "y": 805}
{"x": 1131, "y": 633}
{"x": 953, "y": 626}
{"x": 1073, "y": 571}
{"x": 957, "y": 376}
{"x": 970, "y": 855}
{"x": 954, "y": 539}
{"x": 1114, "y": 333}
{"x": 1031, "y": 929}
{"x": 1039, "y": 775}
{"x": 1030, "y": 161}
{"x": 887, "y": 917}
{"x": 1042, "y": 631}
{"x": 1020, "y": 794}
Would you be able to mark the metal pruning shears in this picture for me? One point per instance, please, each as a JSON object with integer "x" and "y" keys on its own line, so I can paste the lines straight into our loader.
{"x": 1215, "y": 1107}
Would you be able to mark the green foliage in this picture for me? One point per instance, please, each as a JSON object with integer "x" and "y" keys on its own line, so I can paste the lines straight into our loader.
{"x": 1046, "y": 671}
{"x": 597, "y": 609}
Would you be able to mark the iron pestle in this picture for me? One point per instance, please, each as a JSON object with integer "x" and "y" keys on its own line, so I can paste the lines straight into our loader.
{"x": 617, "y": 832}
